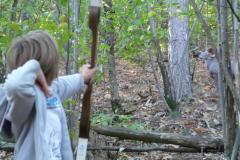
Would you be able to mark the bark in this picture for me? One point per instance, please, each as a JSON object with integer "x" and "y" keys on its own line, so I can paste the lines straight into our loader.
{"x": 75, "y": 5}
{"x": 221, "y": 85}
{"x": 115, "y": 99}
{"x": 235, "y": 46}
{"x": 234, "y": 8}
{"x": 167, "y": 108}
{"x": 164, "y": 138}
{"x": 179, "y": 71}
{"x": 68, "y": 68}
{"x": 230, "y": 116}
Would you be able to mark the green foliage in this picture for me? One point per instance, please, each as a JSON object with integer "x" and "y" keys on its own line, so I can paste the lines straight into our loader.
{"x": 40, "y": 16}
{"x": 72, "y": 102}
{"x": 116, "y": 120}
{"x": 129, "y": 23}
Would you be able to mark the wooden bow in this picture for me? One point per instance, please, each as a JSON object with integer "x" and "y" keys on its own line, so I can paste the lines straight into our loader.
{"x": 86, "y": 105}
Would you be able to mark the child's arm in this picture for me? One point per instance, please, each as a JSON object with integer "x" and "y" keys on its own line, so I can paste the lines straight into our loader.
{"x": 20, "y": 92}
{"x": 69, "y": 85}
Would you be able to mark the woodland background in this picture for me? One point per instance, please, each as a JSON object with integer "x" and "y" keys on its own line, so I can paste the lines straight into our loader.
{"x": 148, "y": 89}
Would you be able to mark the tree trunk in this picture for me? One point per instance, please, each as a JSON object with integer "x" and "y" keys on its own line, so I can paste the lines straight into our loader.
{"x": 179, "y": 71}
{"x": 73, "y": 115}
{"x": 230, "y": 116}
{"x": 236, "y": 72}
{"x": 75, "y": 6}
{"x": 160, "y": 91}
{"x": 221, "y": 85}
{"x": 163, "y": 69}
{"x": 115, "y": 99}
{"x": 68, "y": 67}
{"x": 235, "y": 47}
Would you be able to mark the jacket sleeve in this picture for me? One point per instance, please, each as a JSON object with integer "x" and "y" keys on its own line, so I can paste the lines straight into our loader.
{"x": 20, "y": 91}
{"x": 67, "y": 86}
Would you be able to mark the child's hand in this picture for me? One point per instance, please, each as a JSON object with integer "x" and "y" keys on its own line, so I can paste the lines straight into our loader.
{"x": 41, "y": 80}
{"x": 87, "y": 73}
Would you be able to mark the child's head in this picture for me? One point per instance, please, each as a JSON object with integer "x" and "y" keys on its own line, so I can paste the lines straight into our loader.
{"x": 37, "y": 45}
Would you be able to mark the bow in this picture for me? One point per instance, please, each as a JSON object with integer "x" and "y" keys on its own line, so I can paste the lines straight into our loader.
{"x": 86, "y": 105}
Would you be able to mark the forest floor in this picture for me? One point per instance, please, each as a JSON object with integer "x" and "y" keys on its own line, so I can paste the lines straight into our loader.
{"x": 198, "y": 115}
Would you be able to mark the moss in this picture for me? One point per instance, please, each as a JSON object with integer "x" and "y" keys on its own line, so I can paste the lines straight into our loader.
{"x": 172, "y": 104}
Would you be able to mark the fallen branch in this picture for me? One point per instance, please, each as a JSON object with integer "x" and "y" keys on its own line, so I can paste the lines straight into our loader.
{"x": 164, "y": 138}
{"x": 150, "y": 149}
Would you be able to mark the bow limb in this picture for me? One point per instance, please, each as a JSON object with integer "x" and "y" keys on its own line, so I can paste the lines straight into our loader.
{"x": 86, "y": 105}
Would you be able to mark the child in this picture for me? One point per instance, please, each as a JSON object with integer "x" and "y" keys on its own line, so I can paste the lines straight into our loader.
{"x": 35, "y": 116}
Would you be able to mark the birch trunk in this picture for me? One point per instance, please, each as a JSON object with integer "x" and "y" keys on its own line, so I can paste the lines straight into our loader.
{"x": 179, "y": 71}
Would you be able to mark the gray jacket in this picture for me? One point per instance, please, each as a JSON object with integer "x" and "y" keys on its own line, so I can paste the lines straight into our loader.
{"x": 23, "y": 111}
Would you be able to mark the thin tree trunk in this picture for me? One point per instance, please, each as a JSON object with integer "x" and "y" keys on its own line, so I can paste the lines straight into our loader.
{"x": 156, "y": 79}
{"x": 68, "y": 67}
{"x": 163, "y": 69}
{"x": 115, "y": 99}
{"x": 74, "y": 114}
{"x": 179, "y": 71}
{"x": 236, "y": 72}
{"x": 75, "y": 5}
{"x": 230, "y": 116}
{"x": 221, "y": 85}
{"x": 235, "y": 46}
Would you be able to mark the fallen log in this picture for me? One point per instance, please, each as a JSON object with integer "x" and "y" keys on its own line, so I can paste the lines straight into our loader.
{"x": 149, "y": 149}
{"x": 196, "y": 142}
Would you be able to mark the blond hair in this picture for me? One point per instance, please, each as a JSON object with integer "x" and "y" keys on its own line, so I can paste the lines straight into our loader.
{"x": 37, "y": 45}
